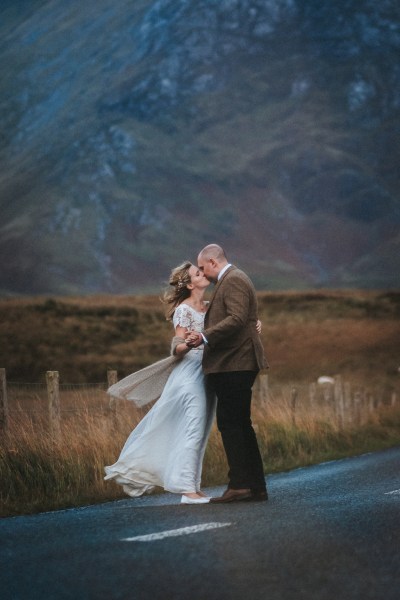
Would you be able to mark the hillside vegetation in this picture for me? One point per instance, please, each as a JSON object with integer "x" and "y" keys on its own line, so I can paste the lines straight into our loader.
{"x": 135, "y": 132}
{"x": 305, "y": 335}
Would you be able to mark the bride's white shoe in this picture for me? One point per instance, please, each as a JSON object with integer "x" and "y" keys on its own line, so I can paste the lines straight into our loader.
{"x": 188, "y": 500}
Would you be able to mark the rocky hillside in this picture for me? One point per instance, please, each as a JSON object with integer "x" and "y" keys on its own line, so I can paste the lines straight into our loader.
{"x": 133, "y": 133}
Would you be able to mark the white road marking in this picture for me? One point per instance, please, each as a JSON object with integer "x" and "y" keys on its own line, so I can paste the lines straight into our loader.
{"x": 394, "y": 492}
{"x": 151, "y": 537}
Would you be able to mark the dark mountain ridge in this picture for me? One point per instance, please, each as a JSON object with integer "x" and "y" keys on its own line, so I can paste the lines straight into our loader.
{"x": 133, "y": 133}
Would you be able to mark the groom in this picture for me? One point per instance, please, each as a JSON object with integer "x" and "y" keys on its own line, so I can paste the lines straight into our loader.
{"x": 233, "y": 355}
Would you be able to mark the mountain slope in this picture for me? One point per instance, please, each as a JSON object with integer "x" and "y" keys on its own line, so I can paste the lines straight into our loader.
{"x": 134, "y": 133}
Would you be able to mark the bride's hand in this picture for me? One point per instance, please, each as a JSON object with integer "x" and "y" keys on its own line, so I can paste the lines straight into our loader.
{"x": 193, "y": 339}
{"x": 259, "y": 326}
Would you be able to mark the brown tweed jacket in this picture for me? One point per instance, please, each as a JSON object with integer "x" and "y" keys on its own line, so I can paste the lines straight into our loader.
{"x": 230, "y": 326}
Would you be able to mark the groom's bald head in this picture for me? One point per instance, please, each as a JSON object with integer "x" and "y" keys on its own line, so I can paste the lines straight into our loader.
{"x": 213, "y": 251}
{"x": 211, "y": 260}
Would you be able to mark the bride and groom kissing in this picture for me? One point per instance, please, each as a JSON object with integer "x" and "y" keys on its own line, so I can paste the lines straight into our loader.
{"x": 216, "y": 355}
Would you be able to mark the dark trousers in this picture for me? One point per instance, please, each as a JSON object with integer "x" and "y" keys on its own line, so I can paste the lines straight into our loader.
{"x": 233, "y": 391}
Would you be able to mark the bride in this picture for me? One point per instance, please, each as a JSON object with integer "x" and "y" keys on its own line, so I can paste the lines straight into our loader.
{"x": 167, "y": 447}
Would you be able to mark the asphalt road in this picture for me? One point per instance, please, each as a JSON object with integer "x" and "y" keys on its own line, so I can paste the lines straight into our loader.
{"x": 330, "y": 531}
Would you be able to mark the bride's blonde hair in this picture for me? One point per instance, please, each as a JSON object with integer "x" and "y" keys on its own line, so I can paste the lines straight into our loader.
{"x": 177, "y": 291}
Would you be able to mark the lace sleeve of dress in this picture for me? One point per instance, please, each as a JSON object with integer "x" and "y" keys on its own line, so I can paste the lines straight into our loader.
{"x": 182, "y": 317}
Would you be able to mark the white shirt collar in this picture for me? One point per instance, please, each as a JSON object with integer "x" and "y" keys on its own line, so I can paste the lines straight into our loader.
{"x": 222, "y": 271}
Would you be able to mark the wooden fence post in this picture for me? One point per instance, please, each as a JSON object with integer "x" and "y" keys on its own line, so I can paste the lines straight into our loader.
{"x": 112, "y": 377}
{"x": 348, "y": 414}
{"x": 53, "y": 396}
{"x": 312, "y": 394}
{"x": 357, "y": 399}
{"x": 338, "y": 399}
{"x": 3, "y": 402}
{"x": 371, "y": 405}
{"x": 260, "y": 389}
{"x": 293, "y": 400}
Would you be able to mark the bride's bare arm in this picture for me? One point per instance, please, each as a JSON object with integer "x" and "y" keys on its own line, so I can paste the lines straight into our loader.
{"x": 181, "y": 349}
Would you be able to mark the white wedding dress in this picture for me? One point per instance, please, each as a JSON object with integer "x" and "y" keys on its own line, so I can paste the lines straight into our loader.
{"x": 167, "y": 447}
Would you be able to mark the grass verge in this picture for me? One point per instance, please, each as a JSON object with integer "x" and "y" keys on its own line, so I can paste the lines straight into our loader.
{"x": 39, "y": 474}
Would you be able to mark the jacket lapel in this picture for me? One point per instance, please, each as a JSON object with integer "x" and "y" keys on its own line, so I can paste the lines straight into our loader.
{"x": 218, "y": 284}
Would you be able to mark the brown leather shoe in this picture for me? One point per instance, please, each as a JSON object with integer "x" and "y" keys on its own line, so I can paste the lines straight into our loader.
{"x": 231, "y": 495}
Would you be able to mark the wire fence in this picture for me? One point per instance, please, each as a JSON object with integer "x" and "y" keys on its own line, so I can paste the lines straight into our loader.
{"x": 74, "y": 397}
{"x": 329, "y": 399}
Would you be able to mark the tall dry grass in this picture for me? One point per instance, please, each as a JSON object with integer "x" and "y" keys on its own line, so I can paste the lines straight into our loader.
{"x": 305, "y": 334}
{"x": 38, "y": 473}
